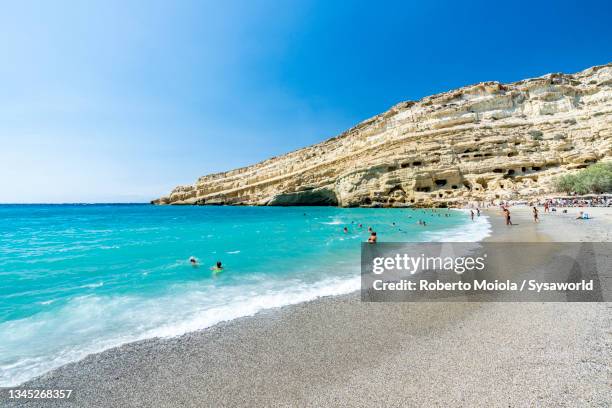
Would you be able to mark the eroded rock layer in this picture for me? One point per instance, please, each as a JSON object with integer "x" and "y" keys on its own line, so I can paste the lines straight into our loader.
{"x": 476, "y": 143}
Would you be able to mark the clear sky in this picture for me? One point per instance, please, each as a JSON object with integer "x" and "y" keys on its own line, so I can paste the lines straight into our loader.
{"x": 115, "y": 101}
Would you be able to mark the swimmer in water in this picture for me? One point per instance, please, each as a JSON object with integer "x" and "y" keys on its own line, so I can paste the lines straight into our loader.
{"x": 217, "y": 268}
{"x": 345, "y": 230}
{"x": 193, "y": 261}
{"x": 372, "y": 239}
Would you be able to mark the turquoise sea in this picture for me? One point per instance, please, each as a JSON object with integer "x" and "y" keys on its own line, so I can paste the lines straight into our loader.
{"x": 78, "y": 279}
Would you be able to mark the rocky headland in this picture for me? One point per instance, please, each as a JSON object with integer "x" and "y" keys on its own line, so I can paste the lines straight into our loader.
{"x": 478, "y": 143}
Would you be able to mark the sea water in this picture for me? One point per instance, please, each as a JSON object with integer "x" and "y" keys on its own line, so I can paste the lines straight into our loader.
{"x": 78, "y": 279}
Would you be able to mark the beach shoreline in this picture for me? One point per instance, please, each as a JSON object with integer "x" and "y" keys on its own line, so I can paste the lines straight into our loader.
{"x": 340, "y": 351}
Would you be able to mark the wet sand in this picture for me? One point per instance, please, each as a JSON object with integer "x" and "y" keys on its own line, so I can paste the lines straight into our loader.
{"x": 342, "y": 352}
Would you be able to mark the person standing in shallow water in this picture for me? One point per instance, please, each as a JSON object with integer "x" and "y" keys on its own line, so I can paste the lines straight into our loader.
{"x": 535, "y": 215}
{"x": 373, "y": 238}
{"x": 507, "y": 216}
{"x": 472, "y": 214}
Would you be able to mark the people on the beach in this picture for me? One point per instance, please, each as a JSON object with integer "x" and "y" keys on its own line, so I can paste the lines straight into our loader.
{"x": 217, "y": 268}
{"x": 478, "y": 211}
{"x": 583, "y": 216}
{"x": 535, "y": 214}
{"x": 507, "y": 216}
{"x": 372, "y": 238}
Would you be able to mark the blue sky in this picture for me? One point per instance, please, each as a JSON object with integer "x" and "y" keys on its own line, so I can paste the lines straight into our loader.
{"x": 115, "y": 101}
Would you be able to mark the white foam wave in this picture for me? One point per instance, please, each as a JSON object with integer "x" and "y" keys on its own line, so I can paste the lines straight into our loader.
{"x": 251, "y": 305}
{"x": 334, "y": 222}
{"x": 474, "y": 231}
{"x": 90, "y": 324}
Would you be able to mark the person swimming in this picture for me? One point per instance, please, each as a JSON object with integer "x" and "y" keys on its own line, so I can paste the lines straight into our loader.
{"x": 217, "y": 268}
{"x": 345, "y": 230}
{"x": 193, "y": 261}
{"x": 372, "y": 239}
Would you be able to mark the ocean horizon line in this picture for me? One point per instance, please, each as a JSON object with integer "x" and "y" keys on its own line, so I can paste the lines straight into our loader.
{"x": 82, "y": 203}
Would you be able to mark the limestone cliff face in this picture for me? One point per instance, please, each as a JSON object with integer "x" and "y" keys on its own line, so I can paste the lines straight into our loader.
{"x": 479, "y": 142}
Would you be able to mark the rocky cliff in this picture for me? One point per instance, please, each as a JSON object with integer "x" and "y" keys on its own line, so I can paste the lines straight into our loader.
{"x": 479, "y": 142}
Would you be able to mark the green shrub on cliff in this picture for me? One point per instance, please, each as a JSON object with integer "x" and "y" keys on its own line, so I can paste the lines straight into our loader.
{"x": 594, "y": 179}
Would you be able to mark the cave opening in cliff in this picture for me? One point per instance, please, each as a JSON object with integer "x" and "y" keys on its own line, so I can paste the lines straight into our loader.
{"x": 317, "y": 197}
{"x": 482, "y": 182}
{"x": 440, "y": 182}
